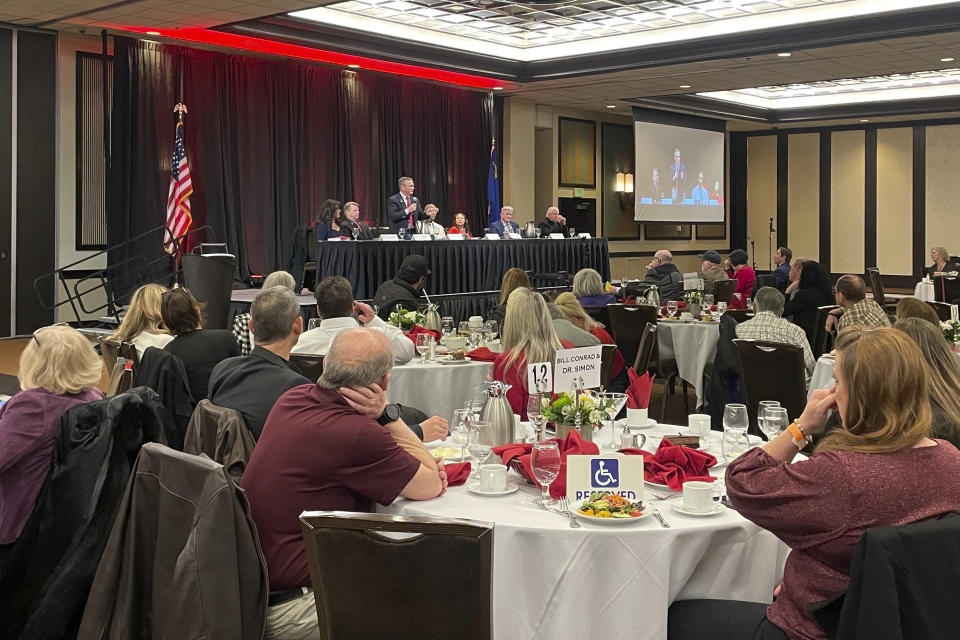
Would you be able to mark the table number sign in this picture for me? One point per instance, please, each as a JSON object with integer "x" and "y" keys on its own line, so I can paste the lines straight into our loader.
{"x": 577, "y": 368}
{"x": 622, "y": 475}
{"x": 540, "y": 377}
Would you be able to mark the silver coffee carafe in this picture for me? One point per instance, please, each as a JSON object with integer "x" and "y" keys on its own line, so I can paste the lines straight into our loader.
{"x": 497, "y": 410}
{"x": 431, "y": 318}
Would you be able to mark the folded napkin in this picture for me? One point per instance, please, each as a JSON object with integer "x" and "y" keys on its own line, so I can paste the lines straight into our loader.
{"x": 737, "y": 302}
{"x": 457, "y": 473}
{"x": 572, "y": 445}
{"x": 673, "y": 465}
{"x": 483, "y": 354}
{"x": 417, "y": 330}
{"x": 638, "y": 393}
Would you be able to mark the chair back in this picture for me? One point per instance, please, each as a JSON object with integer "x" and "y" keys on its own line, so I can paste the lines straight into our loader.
{"x": 310, "y": 366}
{"x": 758, "y": 360}
{"x": 822, "y": 340}
{"x": 121, "y": 377}
{"x": 723, "y": 290}
{"x": 645, "y": 352}
{"x": 395, "y": 573}
{"x": 221, "y": 434}
{"x": 627, "y": 323}
{"x": 740, "y": 315}
{"x": 558, "y": 278}
{"x": 601, "y": 315}
{"x": 606, "y": 363}
{"x": 763, "y": 280}
{"x": 876, "y": 285}
{"x": 210, "y": 280}
{"x": 942, "y": 309}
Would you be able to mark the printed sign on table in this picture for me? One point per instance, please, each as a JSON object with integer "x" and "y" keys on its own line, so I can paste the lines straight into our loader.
{"x": 622, "y": 475}
{"x": 540, "y": 377}
{"x": 573, "y": 367}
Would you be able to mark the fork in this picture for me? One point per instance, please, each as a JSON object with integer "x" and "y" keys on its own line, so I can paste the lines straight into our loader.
{"x": 565, "y": 507}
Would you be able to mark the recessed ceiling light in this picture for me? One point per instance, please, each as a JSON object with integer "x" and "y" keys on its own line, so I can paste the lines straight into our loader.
{"x": 864, "y": 120}
{"x": 611, "y": 106}
{"x": 946, "y": 59}
{"x": 156, "y": 33}
{"x": 784, "y": 54}
{"x": 353, "y": 66}
{"x": 498, "y": 88}
{"x": 684, "y": 86}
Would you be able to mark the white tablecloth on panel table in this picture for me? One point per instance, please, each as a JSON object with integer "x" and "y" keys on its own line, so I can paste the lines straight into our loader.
{"x": 608, "y": 582}
{"x": 434, "y": 388}
{"x": 692, "y": 345}
{"x": 924, "y": 291}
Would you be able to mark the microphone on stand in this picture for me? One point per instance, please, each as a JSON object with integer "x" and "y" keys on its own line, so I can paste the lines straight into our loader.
{"x": 770, "y": 246}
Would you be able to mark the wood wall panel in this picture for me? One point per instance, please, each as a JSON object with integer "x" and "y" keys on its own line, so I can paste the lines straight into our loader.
{"x": 803, "y": 195}
{"x": 943, "y": 189}
{"x": 895, "y": 201}
{"x": 761, "y": 194}
{"x": 847, "y": 201}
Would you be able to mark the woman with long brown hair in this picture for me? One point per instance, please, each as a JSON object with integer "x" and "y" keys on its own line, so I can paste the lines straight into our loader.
{"x": 513, "y": 279}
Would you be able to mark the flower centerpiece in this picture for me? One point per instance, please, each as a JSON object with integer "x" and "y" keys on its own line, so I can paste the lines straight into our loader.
{"x": 951, "y": 331}
{"x": 406, "y": 319}
{"x": 562, "y": 410}
{"x": 694, "y": 298}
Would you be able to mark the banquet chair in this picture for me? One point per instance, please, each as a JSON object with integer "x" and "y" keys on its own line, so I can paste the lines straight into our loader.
{"x": 627, "y": 323}
{"x": 876, "y": 286}
{"x": 558, "y": 278}
{"x": 221, "y": 434}
{"x": 111, "y": 351}
{"x": 601, "y": 315}
{"x": 942, "y": 309}
{"x": 645, "y": 352}
{"x": 757, "y": 360}
{"x": 822, "y": 341}
{"x": 390, "y": 585}
{"x": 310, "y": 366}
{"x": 740, "y": 315}
{"x": 606, "y": 363}
{"x": 723, "y": 290}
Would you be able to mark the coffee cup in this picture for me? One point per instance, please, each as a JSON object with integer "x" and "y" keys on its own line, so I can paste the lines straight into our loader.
{"x": 454, "y": 343}
{"x": 699, "y": 424}
{"x": 636, "y": 417}
{"x": 697, "y": 496}
{"x": 476, "y": 321}
{"x": 493, "y": 477}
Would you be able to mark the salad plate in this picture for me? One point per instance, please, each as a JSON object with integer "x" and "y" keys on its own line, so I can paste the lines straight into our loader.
{"x": 619, "y": 508}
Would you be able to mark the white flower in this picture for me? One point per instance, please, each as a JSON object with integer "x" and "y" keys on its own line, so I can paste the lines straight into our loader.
{"x": 567, "y": 410}
{"x": 596, "y": 417}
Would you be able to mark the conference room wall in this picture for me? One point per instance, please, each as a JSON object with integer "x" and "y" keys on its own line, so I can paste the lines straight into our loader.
{"x": 847, "y": 201}
{"x": 803, "y": 194}
{"x": 761, "y": 196}
{"x": 895, "y": 200}
{"x": 942, "y": 225}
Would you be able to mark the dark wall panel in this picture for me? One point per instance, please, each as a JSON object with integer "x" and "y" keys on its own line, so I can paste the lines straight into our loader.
{"x": 6, "y": 89}
{"x": 616, "y": 153}
{"x": 36, "y": 173}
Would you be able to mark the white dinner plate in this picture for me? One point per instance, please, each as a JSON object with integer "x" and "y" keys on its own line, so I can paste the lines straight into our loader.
{"x": 679, "y": 507}
{"x": 452, "y": 361}
{"x": 613, "y": 521}
{"x": 658, "y": 485}
{"x": 474, "y": 487}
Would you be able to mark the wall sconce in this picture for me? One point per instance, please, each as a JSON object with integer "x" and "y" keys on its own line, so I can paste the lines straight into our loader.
{"x": 624, "y": 186}
{"x": 619, "y": 188}
{"x": 628, "y": 182}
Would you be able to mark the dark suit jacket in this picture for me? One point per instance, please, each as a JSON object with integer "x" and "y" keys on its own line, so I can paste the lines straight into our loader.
{"x": 397, "y": 217}
{"x": 803, "y": 309}
{"x": 499, "y": 227}
{"x": 201, "y": 351}
{"x": 547, "y": 227}
{"x": 668, "y": 279}
{"x": 347, "y": 227}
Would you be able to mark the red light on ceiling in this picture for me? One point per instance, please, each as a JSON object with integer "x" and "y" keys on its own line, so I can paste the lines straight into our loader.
{"x": 273, "y": 47}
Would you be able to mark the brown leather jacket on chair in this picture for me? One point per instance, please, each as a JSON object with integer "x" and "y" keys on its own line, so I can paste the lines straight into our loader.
{"x": 222, "y": 434}
{"x": 183, "y": 559}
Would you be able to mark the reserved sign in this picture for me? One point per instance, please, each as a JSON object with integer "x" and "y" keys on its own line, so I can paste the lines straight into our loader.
{"x": 575, "y": 368}
{"x": 622, "y": 475}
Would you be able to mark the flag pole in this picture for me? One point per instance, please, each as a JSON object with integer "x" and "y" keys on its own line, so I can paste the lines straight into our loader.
{"x": 179, "y": 109}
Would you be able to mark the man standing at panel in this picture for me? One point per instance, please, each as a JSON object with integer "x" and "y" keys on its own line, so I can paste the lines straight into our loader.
{"x": 403, "y": 209}
{"x": 679, "y": 176}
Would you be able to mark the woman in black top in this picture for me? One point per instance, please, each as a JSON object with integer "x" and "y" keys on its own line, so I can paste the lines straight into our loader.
{"x": 814, "y": 291}
{"x": 941, "y": 262}
{"x": 200, "y": 349}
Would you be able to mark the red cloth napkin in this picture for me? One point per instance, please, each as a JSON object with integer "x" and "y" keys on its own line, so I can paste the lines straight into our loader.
{"x": 572, "y": 445}
{"x": 638, "y": 393}
{"x": 738, "y": 301}
{"x": 673, "y": 465}
{"x": 417, "y": 330}
{"x": 483, "y": 354}
{"x": 457, "y": 473}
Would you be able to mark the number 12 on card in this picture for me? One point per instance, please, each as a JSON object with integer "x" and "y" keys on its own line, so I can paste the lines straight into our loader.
{"x": 540, "y": 377}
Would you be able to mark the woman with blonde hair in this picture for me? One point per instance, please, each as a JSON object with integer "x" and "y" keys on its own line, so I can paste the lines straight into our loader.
{"x": 944, "y": 375}
{"x": 241, "y": 322}
{"x": 914, "y": 308}
{"x": 59, "y": 369}
{"x": 142, "y": 324}
{"x": 880, "y": 468}
{"x": 512, "y": 280}
{"x": 528, "y": 336}
{"x": 589, "y": 290}
{"x": 575, "y": 313}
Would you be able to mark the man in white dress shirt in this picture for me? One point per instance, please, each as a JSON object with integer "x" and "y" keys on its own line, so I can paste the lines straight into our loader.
{"x": 338, "y": 311}
{"x": 430, "y": 225}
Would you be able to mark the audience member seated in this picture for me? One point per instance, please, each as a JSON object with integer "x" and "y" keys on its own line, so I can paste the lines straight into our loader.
{"x": 941, "y": 262}
{"x": 781, "y": 274}
{"x": 405, "y": 289}
{"x": 856, "y": 308}
{"x": 199, "y": 349}
{"x": 430, "y": 225}
{"x": 662, "y": 272}
{"x": 527, "y": 336}
{"x": 813, "y": 290}
{"x": 710, "y": 270}
{"x": 251, "y": 384}
{"x": 567, "y": 302}
{"x": 336, "y": 445}
{"x": 338, "y": 311}
{"x": 460, "y": 225}
{"x": 142, "y": 325}
{"x": 241, "y": 322}
{"x": 566, "y": 330}
{"x": 880, "y": 468}
{"x": 769, "y": 326}
{"x": 327, "y": 224}
{"x": 793, "y": 279}
{"x": 914, "y": 308}
{"x": 59, "y": 369}
{"x": 944, "y": 370}
{"x": 553, "y": 223}
{"x": 589, "y": 290}
{"x": 742, "y": 272}
{"x": 514, "y": 278}
{"x": 505, "y": 224}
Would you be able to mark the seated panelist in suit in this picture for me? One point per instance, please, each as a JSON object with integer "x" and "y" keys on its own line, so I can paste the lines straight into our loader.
{"x": 351, "y": 220}
{"x": 403, "y": 209}
{"x": 554, "y": 223}
{"x": 505, "y": 223}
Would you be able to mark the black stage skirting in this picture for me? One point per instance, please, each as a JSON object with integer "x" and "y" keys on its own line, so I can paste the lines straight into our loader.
{"x": 458, "y": 266}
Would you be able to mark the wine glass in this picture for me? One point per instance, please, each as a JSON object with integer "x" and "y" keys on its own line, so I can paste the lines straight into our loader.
{"x": 775, "y": 421}
{"x": 707, "y": 300}
{"x": 535, "y": 413}
{"x": 545, "y": 463}
{"x": 463, "y": 329}
{"x": 480, "y": 442}
{"x": 538, "y": 231}
{"x": 735, "y": 423}
{"x": 672, "y": 308}
{"x": 355, "y": 232}
{"x": 721, "y": 309}
{"x": 762, "y": 407}
{"x": 447, "y": 328}
{"x": 460, "y": 429}
{"x": 424, "y": 342}
{"x": 616, "y": 400}
{"x": 572, "y": 232}
{"x": 474, "y": 338}
{"x": 490, "y": 329}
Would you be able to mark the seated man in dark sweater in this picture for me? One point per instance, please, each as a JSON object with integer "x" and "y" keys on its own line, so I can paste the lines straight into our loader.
{"x": 554, "y": 223}
{"x": 404, "y": 289}
{"x": 251, "y": 384}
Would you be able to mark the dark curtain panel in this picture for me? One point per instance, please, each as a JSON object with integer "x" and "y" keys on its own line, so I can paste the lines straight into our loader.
{"x": 269, "y": 140}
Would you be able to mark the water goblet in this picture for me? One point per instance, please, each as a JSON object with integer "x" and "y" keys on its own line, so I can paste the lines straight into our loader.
{"x": 708, "y": 300}
{"x": 490, "y": 329}
{"x": 424, "y": 342}
{"x": 762, "y": 407}
{"x": 572, "y": 232}
{"x": 355, "y": 232}
{"x": 735, "y": 423}
{"x": 535, "y": 413}
{"x": 775, "y": 421}
{"x": 474, "y": 339}
{"x": 460, "y": 429}
{"x": 672, "y": 308}
{"x": 721, "y": 309}
{"x": 545, "y": 464}
{"x": 447, "y": 328}
{"x": 480, "y": 443}
{"x": 538, "y": 231}
{"x": 463, "y": 329}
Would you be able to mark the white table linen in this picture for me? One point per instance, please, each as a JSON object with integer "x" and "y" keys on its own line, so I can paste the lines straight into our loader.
{"x": 609, "y": 582}
{"x": 434, "y": 388}
{"x": 692, "y": 345}
{"x": 924, "y": 291}
{"x": 822, "y": 377}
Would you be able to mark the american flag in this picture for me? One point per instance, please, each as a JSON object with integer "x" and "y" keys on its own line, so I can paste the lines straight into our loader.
{"x": 178, "y": 198}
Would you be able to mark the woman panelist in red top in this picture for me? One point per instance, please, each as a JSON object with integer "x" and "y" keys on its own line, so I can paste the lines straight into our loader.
{"x": 528, "y": 336}
{"x": 460, "y": 225}
{"x": 880, "y": 468}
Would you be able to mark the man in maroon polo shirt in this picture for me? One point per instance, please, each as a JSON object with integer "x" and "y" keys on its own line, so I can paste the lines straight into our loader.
{"x": 334, "y": 445}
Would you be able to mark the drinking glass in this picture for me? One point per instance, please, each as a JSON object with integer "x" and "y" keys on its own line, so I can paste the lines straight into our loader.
{"x": 762, "y": 407}
{"x": 572, "y": 232}
{"x": 735, "y": 416}
{"x": 672, "y": 308}
{"x": 535, "y": 413}
{"x": 490, "y": 329}
{"x": 460, "y": 429}
{"x": 463, "y": 329}
{"x": 735, "y": 423}
{"x": 424, "y": 342}
{"x": 355, "y": 232}
{"x": 473, "y": 410}
{"x": 480, "y": 442}
{"x": 447, "y": 328}
{"x": 538, "y": 231}
{"x": 474, "y": 338}
{"x": 775, "y": 421}
{"x": 617, "y": 400}
{"x": 721, "y": 309}
{"x": 545, "y": 463}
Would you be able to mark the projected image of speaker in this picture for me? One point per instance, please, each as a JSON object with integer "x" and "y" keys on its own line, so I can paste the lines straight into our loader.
{"x": 679, "y": 168}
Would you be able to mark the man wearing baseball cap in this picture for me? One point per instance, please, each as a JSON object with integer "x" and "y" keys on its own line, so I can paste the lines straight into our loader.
{"x": 405, "y": 289}
{"x": 711, "y": 271}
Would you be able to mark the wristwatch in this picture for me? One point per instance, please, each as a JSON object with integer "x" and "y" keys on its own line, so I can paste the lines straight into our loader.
{"x": 391, "y": 413}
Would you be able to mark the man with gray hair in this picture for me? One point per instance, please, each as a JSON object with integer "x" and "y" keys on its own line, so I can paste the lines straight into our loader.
{"x": 768, "y": 325}
{"x": 403, "y": 209}
{"x": 505, "y": 224}
{"x": 662, "y": 272}
{"x": 338, "y": 446}
{"x": 251, "y": 384}
{"x": 554, "y": 223}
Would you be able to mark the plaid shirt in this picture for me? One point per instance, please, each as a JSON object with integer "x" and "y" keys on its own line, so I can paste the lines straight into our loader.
{"x": 865, "y": 313}
{"x": 771, "y": 328}
{"x": 241, "y": 331}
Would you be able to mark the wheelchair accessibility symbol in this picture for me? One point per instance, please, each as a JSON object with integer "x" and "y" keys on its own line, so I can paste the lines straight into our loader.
{"x": 605, "y": 473}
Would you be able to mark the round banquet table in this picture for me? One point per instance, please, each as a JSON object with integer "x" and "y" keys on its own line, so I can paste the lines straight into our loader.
{"x": 822, "y": 377}
{"x": 608, "y": 582}
{"x": 692, "y": 345}
{"x": 434, "y": 388}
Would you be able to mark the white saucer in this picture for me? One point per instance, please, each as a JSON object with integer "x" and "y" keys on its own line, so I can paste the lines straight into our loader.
{"x": 646, "y": 425}
{"x": 679, "y": 507}
{"x": 474, "y": 487}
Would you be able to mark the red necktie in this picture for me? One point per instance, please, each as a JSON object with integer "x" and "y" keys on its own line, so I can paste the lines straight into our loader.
{"x": 406, "y": 201}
